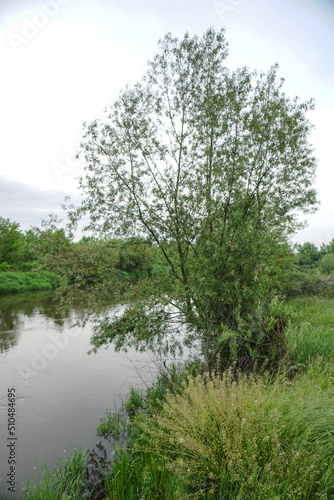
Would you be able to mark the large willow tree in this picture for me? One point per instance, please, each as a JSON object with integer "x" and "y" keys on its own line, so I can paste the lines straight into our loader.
{"x": 214, "y": 167}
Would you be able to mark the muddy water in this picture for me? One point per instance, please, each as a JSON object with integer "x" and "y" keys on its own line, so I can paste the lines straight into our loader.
{"x": 60, "y": 391}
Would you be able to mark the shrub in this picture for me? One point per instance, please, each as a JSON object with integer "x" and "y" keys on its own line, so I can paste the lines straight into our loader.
{"x": 326, "y": 265}
{"x": 4, "y": 266}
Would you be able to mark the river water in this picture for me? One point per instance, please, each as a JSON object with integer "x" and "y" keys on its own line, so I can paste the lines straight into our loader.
{"x": 60, "y": 391}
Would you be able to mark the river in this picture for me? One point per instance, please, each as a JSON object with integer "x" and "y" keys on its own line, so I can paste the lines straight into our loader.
{"x": 60, "y": 391}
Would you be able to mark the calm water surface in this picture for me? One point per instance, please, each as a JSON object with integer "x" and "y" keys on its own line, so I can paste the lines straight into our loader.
{"x": 61, "y": 392}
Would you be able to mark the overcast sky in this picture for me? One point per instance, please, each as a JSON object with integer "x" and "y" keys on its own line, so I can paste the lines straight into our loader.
{"x": 64, "y": 61}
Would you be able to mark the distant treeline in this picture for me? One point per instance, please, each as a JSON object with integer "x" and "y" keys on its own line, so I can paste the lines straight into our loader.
{"x": 22, "y": 268}
{"x": 310, "y": 255}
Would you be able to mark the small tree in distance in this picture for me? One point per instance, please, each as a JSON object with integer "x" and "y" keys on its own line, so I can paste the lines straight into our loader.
{"x": 11, "y": 241}
{"x": 307, "y": 254}
{"x": 213, "y": 166}
{"x": 326, "y": 265}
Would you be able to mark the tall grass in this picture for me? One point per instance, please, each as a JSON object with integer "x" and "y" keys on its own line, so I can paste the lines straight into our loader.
{"x": 135, "y": 472}
{"x": 13, "y": 282}
{"x": 64, "y": 482}
{"x": 247, "y": 439}
{"x": 311, "y": 331}
{"x": 141, "y": 475}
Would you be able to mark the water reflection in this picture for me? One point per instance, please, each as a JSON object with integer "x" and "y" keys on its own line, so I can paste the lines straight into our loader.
{"x": 14, "y": 307}
{"x": 61, "y": 391}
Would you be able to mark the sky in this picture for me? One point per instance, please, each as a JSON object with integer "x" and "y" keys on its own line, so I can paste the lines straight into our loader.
{"x": 64, "y": 61}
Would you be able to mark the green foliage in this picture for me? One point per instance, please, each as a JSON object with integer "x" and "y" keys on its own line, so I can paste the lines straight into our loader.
{"x": 258, "y": 343}
{"x": 329, "y": 248}
{"x": 94, "y": 271}
{"x": 19, "y": 266}
{"x": 18, "y": 261}
{"x": 141, "y": 475}
{"x": 299, "y": 281}
{"x": 210, "y": 165}
{"x": 304, "y": 274}
{"x": 13, "y": 282}
{"x": 4, "y": 266}
{"x": 141, "y": 325}
{"x": 136, "y": 257}
{"x": 307, "y": 254}
{"x": 246, "y": 439}
{"x": 64, "y": 482}
{"x": 11, "y": 241}
{"x": 326, "y": 265}
{"x": 31, "y": 240}
{"x": 311, "y": 330}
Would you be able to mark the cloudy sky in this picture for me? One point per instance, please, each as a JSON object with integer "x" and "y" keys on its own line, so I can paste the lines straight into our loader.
{"x": 64, "y": 61}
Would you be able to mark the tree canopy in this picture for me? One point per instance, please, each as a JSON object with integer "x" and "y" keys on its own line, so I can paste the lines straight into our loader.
{"x": 11, "y": 240}
{"x": 213, "y": 166}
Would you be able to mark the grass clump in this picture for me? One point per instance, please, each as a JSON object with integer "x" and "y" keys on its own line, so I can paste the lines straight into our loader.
{"x": 217, "y": 435}
{"x": 246, "y": 439}
{"x": 64, "y": 482}
{"x": 141, "y": 475}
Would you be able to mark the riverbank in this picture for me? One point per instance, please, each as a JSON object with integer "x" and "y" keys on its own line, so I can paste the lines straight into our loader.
{"x": 258, "y": 438}
{"x": 17, "y": 282}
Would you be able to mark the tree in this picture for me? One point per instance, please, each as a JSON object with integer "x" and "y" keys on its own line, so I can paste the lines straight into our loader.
{"x": 329, "y": 248}
{"x": 307, "y": 254}
{"x": 213, "y": 166}
{"x": 11, "y": 240}
{"x": 327, "y": 264}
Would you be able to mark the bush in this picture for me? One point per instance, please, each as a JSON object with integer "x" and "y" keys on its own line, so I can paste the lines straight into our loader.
{"x": 326, "y": 265}
{"x": 26, "y": 266}
{"x": 257, "y": 343}
{"x": 4, "y": 266}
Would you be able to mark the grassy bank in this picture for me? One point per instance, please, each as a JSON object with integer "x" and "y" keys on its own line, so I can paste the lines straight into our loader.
{"x": 191, "y": 437}
{"x": 14, "y": 282}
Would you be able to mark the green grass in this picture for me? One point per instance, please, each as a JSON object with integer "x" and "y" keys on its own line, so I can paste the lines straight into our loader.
{"x": 256, "y": 438}
{"x": 14, "y": 282}
{"x": 311, "y": 331}
{"x": 64, "y": 482}
{"x": 137, "y": 475}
